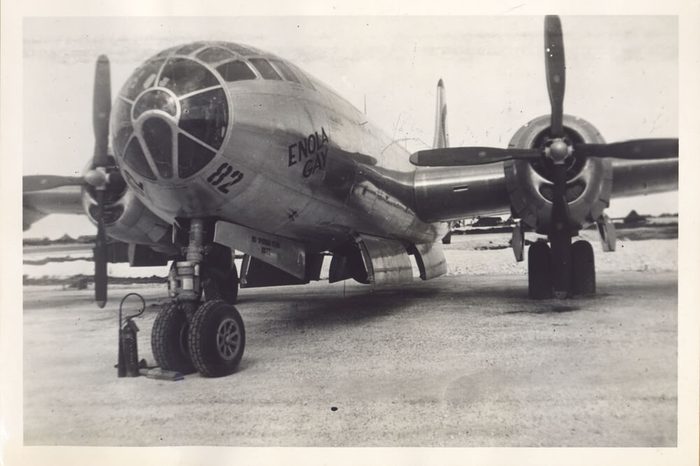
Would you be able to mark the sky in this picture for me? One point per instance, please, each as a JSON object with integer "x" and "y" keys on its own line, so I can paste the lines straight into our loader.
{"x": 622, "y": 75}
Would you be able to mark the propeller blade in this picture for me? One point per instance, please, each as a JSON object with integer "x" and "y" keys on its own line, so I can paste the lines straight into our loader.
{"x": 464, "y": 156}
{"x": 100, "y": 253}
{"x": 555, "y": 68}
{"x": 638, "y": 149}
{"x": 101, "y": 108}
{"x": 40, "y": 182}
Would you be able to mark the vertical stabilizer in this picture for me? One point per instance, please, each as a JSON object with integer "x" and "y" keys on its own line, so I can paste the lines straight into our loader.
{"x": 441, "y": 140}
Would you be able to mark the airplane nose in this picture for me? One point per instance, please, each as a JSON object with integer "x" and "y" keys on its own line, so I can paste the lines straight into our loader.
{"x": 170, "y": 120}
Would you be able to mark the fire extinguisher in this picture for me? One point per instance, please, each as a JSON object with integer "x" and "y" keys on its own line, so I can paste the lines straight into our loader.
{"x": 128, "y": 363}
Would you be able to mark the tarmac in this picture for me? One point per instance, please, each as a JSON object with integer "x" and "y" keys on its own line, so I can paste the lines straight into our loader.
{"x": 456, "y": 361}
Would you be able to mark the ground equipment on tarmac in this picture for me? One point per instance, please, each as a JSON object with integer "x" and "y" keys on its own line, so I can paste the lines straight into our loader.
{"x": 128, "y": 362}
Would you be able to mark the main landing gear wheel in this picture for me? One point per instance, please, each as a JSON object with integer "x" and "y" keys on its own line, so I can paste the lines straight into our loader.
{"x": 216, "y": 339}
{"x": 169, "y": 339}
{"x": 583, "y": 268}
{"x": 539, "y": 271}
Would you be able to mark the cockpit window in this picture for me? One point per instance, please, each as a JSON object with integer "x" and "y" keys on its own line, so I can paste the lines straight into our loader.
{"x": 192, "y": 156}
{"x": 142, "y": 79}
{"x": 235, "y": 71}
{"x": 286, "y": 72}
{"x": 165, "y": 53}
{"x": 156, "y": 99}
{"x": 135, "y": 158}
{"x": 183, "y": 76}
{"x": 266, "y": 70}
{"x": 305, "y": 81}
{"x": 159, "y": 139}
{"x": 215, "y": 55}
{"x": 240, "y": 49}
{"x": 189, "y": 48}
{"x": 205, "y": 116}
{"x": 121, "y": 126}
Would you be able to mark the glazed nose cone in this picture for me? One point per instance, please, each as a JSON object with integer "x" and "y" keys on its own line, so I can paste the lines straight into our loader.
{"x": 170, "y": 120}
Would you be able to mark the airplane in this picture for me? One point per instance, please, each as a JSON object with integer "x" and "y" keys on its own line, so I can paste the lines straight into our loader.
{"x": 215, "y": 147}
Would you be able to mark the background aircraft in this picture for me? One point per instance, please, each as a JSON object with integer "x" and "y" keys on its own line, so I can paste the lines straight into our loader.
{"x": 220, "y": 146}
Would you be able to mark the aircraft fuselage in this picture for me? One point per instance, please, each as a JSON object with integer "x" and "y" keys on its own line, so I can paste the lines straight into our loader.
{"x": 285, "y": 157}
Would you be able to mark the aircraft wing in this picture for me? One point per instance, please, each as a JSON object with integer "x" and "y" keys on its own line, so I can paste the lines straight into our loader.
{"x": 635, "y": 177}
{"x": 60, "y": 200}
{"x": 451, "y": 193}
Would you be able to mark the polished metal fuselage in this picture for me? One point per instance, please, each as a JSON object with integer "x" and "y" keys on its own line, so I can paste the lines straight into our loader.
{"x": 314, "y": 169}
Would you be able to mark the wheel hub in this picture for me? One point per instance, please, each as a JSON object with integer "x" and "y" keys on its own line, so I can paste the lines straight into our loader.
{"x": 227, "y": 339}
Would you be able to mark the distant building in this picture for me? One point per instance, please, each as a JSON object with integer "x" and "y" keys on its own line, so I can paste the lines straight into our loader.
{"x": 66, "y": 238}
{"x": 633, "y": 218}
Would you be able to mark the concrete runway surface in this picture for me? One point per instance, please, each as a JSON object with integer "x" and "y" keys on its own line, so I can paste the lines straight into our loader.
{"x": 457, "y": 361}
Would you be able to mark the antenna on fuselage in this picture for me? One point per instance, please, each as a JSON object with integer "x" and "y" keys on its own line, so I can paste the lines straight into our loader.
{"x": 441, "y": 139}
{"x": 365, "y": 99}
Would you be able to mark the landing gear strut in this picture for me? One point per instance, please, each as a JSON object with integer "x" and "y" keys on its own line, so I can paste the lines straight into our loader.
{"x": 189, "y": 335}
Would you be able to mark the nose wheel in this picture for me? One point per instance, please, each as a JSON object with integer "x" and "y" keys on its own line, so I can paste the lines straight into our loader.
{"x": 210, "y": 339}
{"x": 169, "y": 337}
{"x": 189, "y": 335}
{"x": 216, "y": 339}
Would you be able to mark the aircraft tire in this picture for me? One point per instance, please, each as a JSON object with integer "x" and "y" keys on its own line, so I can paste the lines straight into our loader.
{"x": 216, "y": 339}
{"x": 539, "y": 271}
{"x": 169, "y": 339}
{"x": 583, "y": 268}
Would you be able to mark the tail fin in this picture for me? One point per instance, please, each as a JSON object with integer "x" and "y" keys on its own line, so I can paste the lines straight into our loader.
{"x": 441, "y": 140}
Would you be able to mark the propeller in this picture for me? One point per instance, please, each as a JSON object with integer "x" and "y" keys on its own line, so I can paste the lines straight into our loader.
{"x": 101, "y": 108}
{"x": 638, "y": 149}
{"x": 97, "y": 176}
{"x": 41, "y": 182}
{"x": 557, "y": 149}
{"x": 459, "y": 156}
{"x": 555, "y": 70}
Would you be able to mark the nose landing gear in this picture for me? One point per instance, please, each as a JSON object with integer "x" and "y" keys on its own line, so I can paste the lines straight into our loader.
{"x": 216, "y": 339}
{"x": 189, "y": 335}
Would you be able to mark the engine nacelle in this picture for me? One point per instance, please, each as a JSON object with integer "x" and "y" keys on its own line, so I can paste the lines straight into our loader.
{"x": 589, "y": 181}
{"x": 128, "y": 220}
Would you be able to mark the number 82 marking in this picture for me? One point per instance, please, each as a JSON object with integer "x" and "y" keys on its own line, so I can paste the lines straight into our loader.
{"x": 224, "y": 170}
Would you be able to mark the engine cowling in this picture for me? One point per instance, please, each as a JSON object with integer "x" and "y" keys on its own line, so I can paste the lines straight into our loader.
{"x": 128, "y": 220}
{"x": 529, "y": 183}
